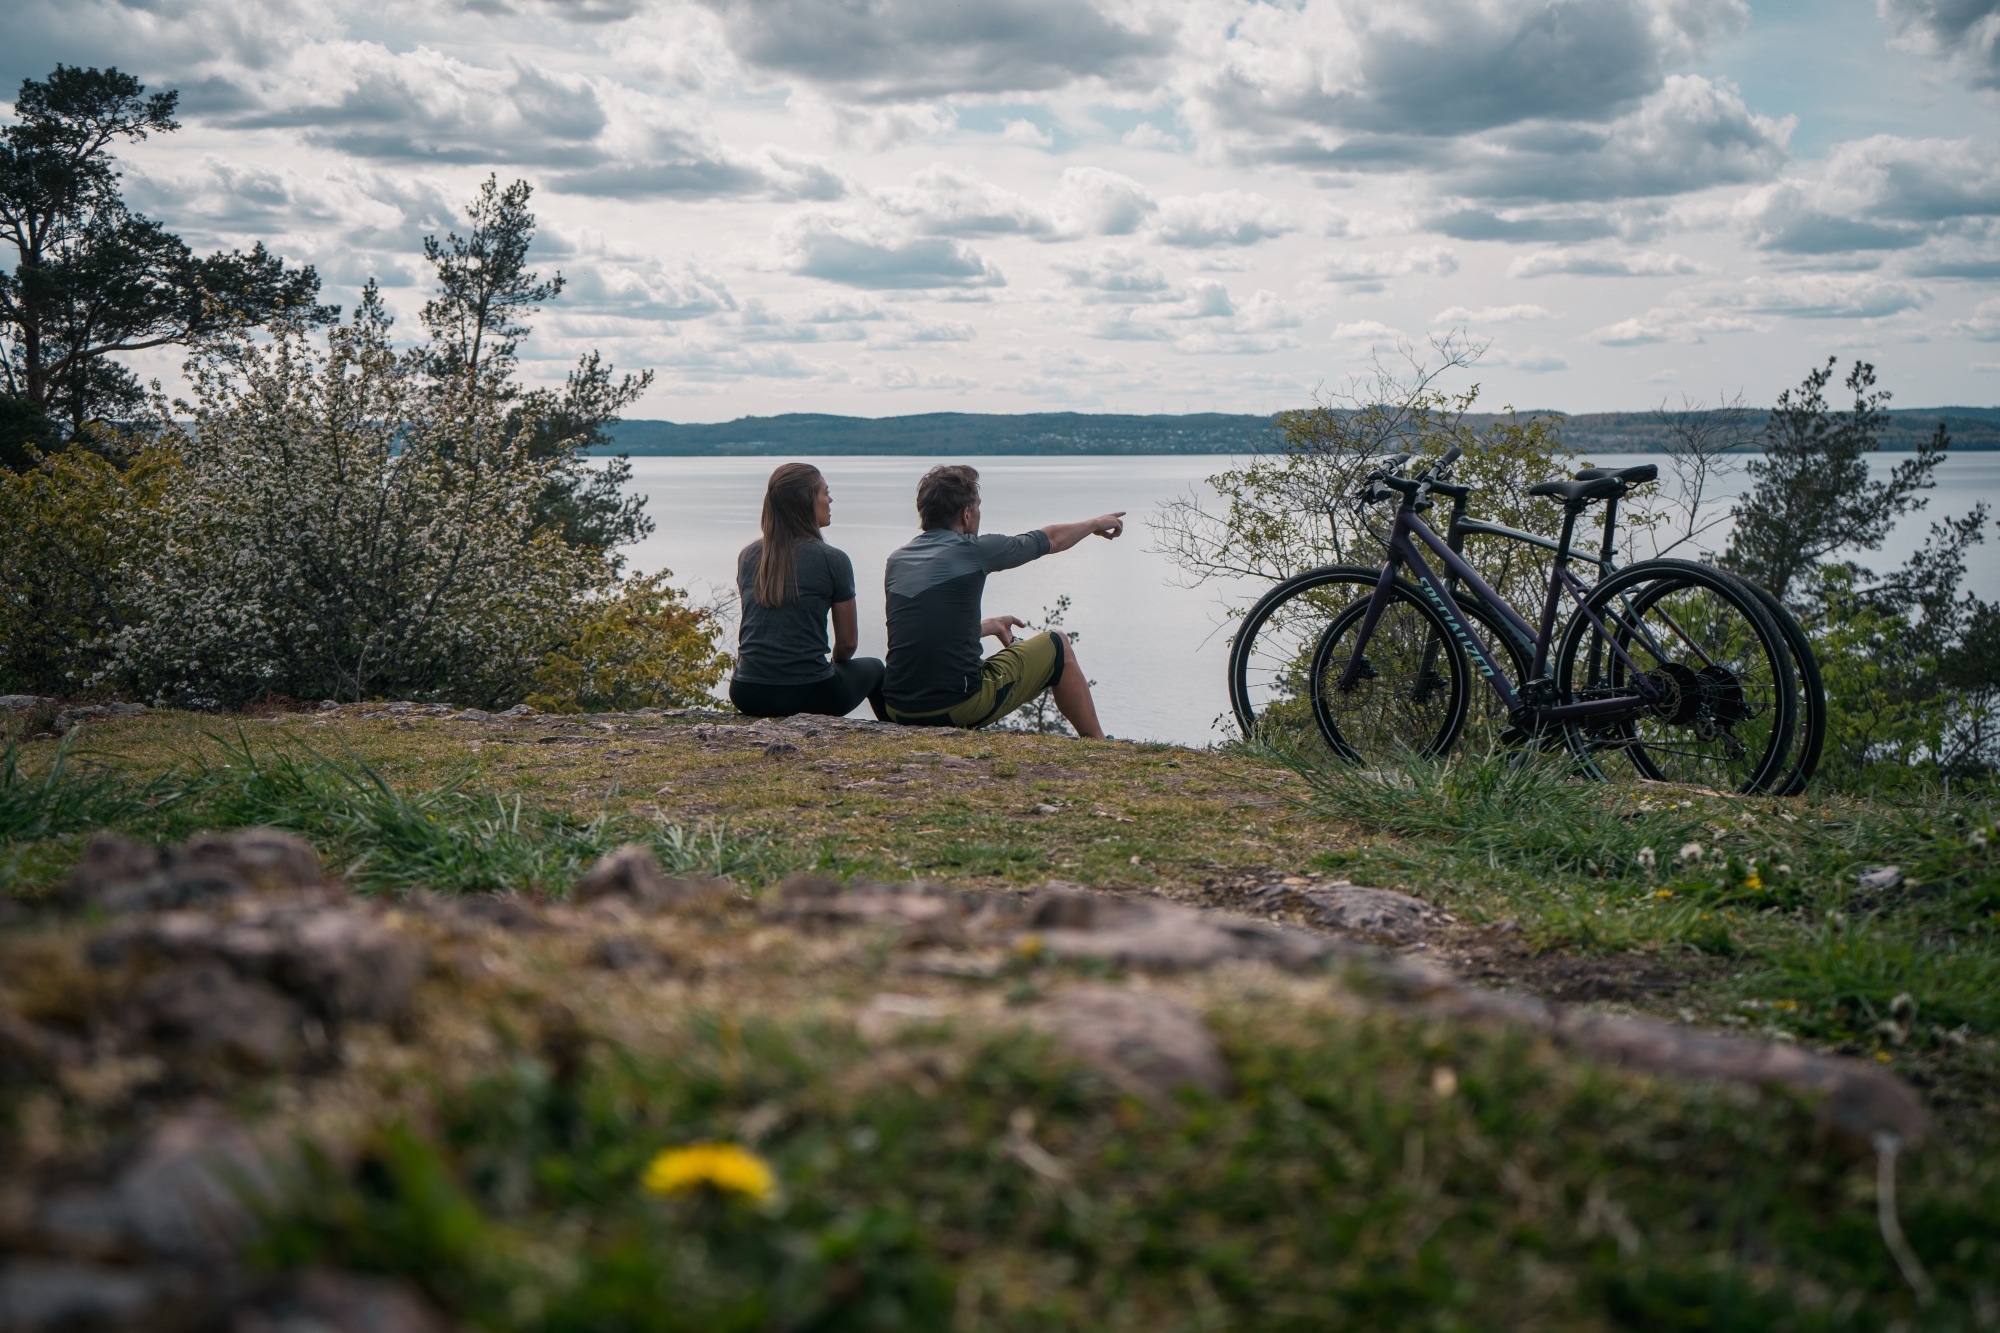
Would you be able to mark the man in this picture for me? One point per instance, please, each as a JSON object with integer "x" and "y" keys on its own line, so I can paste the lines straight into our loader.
{"x": 936, "y": 676}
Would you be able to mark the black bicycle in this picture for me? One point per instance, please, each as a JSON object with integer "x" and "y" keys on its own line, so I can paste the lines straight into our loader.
{"x": 1673, "y": 664}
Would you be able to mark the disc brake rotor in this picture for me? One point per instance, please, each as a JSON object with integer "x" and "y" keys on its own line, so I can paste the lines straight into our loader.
{"x": 1680, "y": 691}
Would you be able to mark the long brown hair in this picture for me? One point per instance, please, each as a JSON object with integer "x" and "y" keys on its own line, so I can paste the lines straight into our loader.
{"x": 791, "y": 516}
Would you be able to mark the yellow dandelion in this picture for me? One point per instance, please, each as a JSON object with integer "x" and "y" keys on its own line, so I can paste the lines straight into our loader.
{"x": 720, "y": 1166}
{"x": 1663, "y": 893}
{"x": 1752, "y": 881}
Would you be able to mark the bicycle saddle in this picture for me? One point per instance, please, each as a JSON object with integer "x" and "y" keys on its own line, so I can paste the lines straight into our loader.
{"x": 1577, "y": 492}
{"x": 1631, "y": 476}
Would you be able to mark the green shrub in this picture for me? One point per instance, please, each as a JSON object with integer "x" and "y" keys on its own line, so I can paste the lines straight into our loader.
{"x": 642, "y": 647}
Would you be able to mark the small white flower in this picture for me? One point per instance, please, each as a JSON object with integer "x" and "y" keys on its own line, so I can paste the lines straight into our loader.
{"x": 1691, "y": 851}
{"x": 1647, "y": 860}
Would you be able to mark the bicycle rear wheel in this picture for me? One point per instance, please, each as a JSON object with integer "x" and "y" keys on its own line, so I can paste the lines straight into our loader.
{"x": 1809, "y": 738}
{"x": 1413, "y": 688}
{"x": 1727, "y": 703}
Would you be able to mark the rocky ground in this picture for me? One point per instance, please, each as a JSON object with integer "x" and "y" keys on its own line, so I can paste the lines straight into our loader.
{"x": 194, "y": 1032}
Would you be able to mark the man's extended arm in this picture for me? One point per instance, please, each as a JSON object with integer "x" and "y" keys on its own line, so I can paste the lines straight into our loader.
{"x": 1062, "y": 536}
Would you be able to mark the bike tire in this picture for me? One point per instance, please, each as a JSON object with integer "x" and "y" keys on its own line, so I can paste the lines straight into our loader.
{"x": 1744, "y": 679}
{"x": 1415, "y": 691}
{"x": 1809, "y": 739}
{"x": 1263, "y": 673}
{"x": 1251, "y": 665}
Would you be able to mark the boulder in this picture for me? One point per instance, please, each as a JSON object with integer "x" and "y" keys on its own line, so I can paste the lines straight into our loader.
{"x": 210, "y": 1011}
{"x": 118, "y": 874}
{"x": 920, "y": 916}
{"x": 1854, "y": 1099}
{"x": 632, "y": 873}
{"x": 188, "y": 1194}
{"x": 1145, "y": 1043}
{"x": 1374, "y": 913}
{"x": 71, "y": 717}
{"x": 1140, "y": 933}
{"x": 16, "y": 702}
{"x": 338, "y": 961}
{"x": 324, "y": 1301}
{"x": 59, "y": 1296}
{"x": 627, "y": 953}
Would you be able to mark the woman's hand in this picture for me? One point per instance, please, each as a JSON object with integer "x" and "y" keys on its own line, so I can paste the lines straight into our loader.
{"x": 1001, "y": 628}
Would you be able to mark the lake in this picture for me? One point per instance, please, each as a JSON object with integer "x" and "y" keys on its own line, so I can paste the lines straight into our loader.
{"x": 1156, "y": 648}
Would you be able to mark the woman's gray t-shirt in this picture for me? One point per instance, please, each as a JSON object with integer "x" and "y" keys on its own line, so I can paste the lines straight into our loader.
{"x": 787, "y": 645}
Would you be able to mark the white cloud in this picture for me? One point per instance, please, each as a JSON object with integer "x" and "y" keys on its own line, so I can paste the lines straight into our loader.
{"x": 1371, "y": 271}
{"x": 1964, "y": 34}
{"x": 1600, "y": 263}
{"x": 952, "y": 201}
{"x": 908, "y": 50}
{"x": 1116, "y": 273}
{"x": 1295, "y": 82}
{"x": 1885, "y": 192}
{"x": 1491, "y": 314}
{"x": 1229, "y": 217}
{"x": 1984, "y": 324}
{"x": 1692, "y": 314}
{"x": 841, "y": 248}
{"x": 1368, "y": 330}
{"x": 1028, "y": 133}
{"x": 1147, "y": 135}
{"x": 1536, "y": 360}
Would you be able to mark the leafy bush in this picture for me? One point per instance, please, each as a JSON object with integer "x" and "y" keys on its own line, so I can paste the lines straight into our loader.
{"x": 73, "y": 523}
{"x": 1290, "y": 511}
{"x": 641, "y": 647}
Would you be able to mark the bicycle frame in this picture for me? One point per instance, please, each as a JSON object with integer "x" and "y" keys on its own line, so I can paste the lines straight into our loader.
{"x": 1402, "y": 552}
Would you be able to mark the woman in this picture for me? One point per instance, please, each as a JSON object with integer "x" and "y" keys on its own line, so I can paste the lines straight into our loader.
{"x": 789, "y": 582}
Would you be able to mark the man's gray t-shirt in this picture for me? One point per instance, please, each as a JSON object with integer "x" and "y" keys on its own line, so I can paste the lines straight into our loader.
{"x": 786, "y": 645}
{"x": 934, "y": 584}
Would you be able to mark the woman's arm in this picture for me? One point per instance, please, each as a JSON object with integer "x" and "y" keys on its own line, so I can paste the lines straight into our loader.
{"x": 846, "y": 631}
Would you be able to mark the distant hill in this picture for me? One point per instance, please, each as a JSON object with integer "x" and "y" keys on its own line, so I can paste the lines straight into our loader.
{"x": 953, "y": 433}
{"x": 974, "y": 434}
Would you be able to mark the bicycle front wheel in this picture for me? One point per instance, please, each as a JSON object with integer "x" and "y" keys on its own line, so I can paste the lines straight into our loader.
{"x": 1726, "y": 698}
{"x": 1412, "y": 684}
{"x": 1270, "y": 660}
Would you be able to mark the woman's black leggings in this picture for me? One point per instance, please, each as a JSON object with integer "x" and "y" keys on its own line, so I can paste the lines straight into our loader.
{"x": 852, "y": 681}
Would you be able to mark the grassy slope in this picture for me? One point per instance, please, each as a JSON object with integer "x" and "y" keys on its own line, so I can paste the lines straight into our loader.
{"x": 1345, "y": 1178}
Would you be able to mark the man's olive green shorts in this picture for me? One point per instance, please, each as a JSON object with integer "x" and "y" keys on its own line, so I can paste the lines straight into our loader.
{"x": 1011, "y": 677}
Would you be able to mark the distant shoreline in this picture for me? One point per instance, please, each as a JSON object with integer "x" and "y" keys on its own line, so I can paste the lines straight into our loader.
{"x": 1075, "y": 434}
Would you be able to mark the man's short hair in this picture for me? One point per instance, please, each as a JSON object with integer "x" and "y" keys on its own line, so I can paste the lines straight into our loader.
{"x": 944, "y": 494}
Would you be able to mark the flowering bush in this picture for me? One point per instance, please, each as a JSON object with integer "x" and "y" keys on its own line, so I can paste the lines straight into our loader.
{"x": 641, "y": 647}
{"x": 346, "y": 525}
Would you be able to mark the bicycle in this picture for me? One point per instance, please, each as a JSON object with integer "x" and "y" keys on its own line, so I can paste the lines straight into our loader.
{"x": 1716, "y": 706}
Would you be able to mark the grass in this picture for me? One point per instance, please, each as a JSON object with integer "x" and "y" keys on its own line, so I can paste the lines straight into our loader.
{"x": 1373, "y": 1174}
{"x": 955, "y": 806}
{"x": 451, "y": 836}
{"x": 1765, "y": 893}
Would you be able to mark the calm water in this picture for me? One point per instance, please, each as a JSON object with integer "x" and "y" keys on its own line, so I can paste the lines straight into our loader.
{"x": 1156, "y": 648}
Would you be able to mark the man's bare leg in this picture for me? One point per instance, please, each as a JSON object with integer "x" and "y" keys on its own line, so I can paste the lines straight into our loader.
{"x": 1072, "y": 694}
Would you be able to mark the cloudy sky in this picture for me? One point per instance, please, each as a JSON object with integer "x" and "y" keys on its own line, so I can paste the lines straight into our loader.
{"x": 892, "y": 206}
